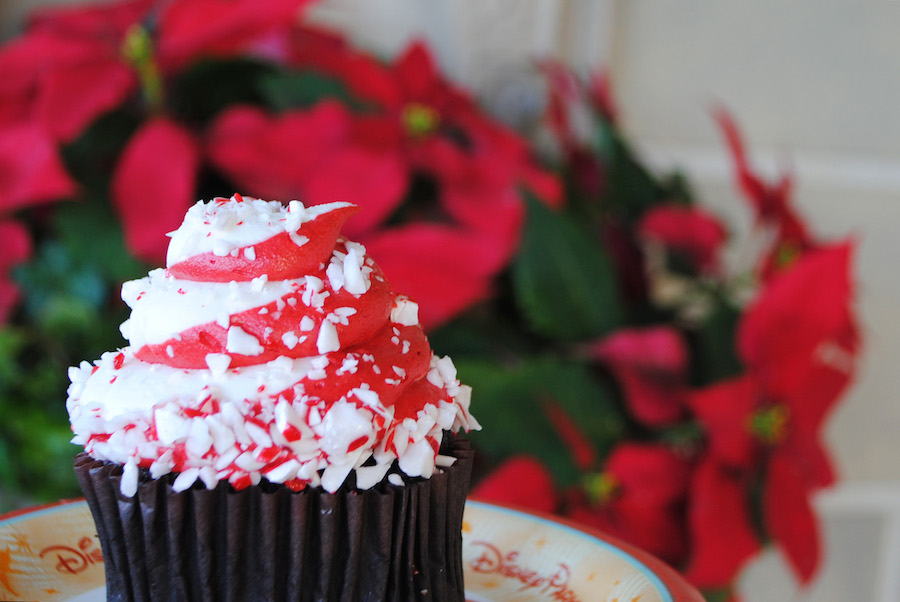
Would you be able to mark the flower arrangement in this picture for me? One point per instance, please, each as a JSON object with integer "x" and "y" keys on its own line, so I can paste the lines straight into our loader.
{"x": 626, "y": 377}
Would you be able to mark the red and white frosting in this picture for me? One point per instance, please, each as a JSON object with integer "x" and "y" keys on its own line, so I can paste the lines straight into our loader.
{"x": 270, "y": 347}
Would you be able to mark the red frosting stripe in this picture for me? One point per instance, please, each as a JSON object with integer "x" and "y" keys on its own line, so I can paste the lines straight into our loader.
{"x": 279, "y": 257}
{"x": 377, "y": 375}
{"x": 269, "y": 324}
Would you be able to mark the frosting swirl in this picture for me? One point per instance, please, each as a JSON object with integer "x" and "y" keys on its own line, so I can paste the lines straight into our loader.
{"x": 270, "y": 347}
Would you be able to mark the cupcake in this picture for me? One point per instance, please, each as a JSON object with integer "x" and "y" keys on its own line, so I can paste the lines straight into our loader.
{"x": 278, "y": 427}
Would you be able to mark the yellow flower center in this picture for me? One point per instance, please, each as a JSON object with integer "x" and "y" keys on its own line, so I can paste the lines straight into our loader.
{"x": 601, "y": 487}
{"x": 137, "y": 49}
{"x": 785, "y": 255}
{"x": 770, "y": 424}
{"x": 419, "y": 119}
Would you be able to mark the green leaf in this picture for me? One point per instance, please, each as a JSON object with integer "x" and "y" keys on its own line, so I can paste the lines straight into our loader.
{"x": 677, "y": 187}
{"x": 92, "y": 235}
{"x": 92, "y": 157}
{"x": 209, "y": 86}
{"x": 302, "y": 89}
{"x": 713, "y": 345}
{"x": 631, "y": 188}
{"x": 11, "y": 343}
{"x": 563, "y": 279}
{"x": 511, "y": 402}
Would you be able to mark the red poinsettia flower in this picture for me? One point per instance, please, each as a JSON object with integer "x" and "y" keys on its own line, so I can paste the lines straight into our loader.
{"x": 67, "y": 69}
{"x": 639, "y": 497}
{"x": 319, "y": 161}
{"x": 75, "y": 63}
{"x": 771, "y": 203}
{"x": 470, "y": 169}
{"x": 15, "y": 247}
{"x": 687, "y": 231}
{"x": 650, "y": 365}
{"x": 182, "y": 29}
{"x": 520, "y": 481}
{"x": 799, "y": 357}
{"x": 153, "y": 185}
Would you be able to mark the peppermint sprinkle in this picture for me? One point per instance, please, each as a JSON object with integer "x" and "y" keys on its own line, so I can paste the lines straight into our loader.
{"x": 289, "y": 339}
{"x": 328, "y": 338}
{"x": 242, "y": 342}
{"x": 218, "y": 363}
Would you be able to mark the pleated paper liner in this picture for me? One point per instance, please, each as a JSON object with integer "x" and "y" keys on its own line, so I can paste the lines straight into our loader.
{"x": 269, "y": 543}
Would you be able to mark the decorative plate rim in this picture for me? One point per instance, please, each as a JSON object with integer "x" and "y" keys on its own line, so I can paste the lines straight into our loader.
{"x": 668, "y": 582}
{"x": 666, "y": 579}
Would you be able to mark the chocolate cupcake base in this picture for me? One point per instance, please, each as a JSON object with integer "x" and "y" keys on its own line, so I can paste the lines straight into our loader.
{"x": 269, "y": 543}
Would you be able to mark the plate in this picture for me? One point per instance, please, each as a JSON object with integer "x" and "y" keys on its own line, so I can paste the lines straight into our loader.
{"x": 52, "y": 553}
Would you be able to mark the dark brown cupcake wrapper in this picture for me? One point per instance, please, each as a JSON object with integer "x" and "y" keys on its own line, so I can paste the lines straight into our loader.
{"x": 270, "y": 543}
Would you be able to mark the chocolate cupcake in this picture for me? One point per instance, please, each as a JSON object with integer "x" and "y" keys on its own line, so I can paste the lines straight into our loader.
{"x": 278, "y": 427}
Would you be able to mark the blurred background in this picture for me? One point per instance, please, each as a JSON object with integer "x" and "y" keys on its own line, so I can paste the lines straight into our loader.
{"x": 816, "y": 89}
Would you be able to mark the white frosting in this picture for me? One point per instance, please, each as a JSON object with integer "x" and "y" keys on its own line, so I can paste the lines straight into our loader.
{"x": 162, "y": 306}
{"x": 222, "y": 228}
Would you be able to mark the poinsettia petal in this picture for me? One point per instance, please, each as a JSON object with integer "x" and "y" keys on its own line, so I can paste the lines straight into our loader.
{"x": 154, "y": 184}
{"x": 99, "y": 20}
{"x": 494, "y": 217}
{"x": 15, "y": 244}
{"x": 650, "y": 365}
{"x": 583, "y": 451}
{"x": 689, "y": 231}
{"x": 72, "y": 98}
{"x": 722, "y": 536}
{"x": 219, "y": 27}
{"x": 789, "y": 516}
{"x": 600, "y": 94}
{"x": 363, "y": 74}
{"x": 242, "y": 141}
{"x": 31, "y": 170}
{"x": 436, "y": 265}
{"x": 724, "y": 409}
{"x": 649, "y": 474}
{"x": 804, "y": 445}
{"x": 24, "y": 59}
{"x": 659, "y": 530}
{"x": 373, "y": 180}
{"x": 520, "y": 481}
{"x": 417, "y": 71}
{"x": 766, "y": 202}
{"x": 822, "y": 333}
{"x": 545, "y": 185}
